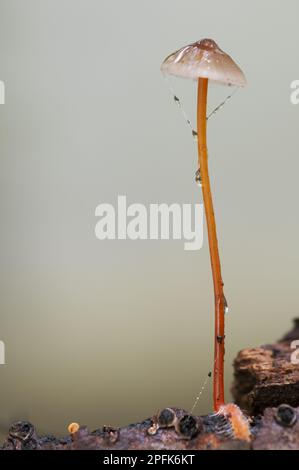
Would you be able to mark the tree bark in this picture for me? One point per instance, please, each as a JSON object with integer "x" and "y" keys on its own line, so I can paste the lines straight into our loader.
{"x": 266, "y": 384}
{"x": 267, "y": 376}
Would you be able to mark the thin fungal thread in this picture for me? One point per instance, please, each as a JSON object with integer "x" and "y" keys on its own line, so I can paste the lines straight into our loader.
{"x": 188, "y": 121}
{"x": 185, "y": 115}
{"x": 201, "y": 390}
{"x": 223, "y": 103}
{"x": 199, "y": 394}
{"x": 180, "y": 106}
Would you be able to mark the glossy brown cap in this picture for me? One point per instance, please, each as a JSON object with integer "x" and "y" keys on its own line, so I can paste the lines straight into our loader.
{"x": 206, "y": 60}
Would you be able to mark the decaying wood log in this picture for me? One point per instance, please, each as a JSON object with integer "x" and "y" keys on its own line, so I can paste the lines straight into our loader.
{"x": 266, "y": 385}
{"x": 267, "y": 376}
{"x": 173, "y": 429}
{"x": 278, "y": 428}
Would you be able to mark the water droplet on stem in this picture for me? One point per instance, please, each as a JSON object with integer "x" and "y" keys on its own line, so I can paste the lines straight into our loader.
{"x": 198, "y": 178}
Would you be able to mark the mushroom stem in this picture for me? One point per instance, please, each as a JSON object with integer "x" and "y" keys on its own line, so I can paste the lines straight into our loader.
{"x": 218, "y": 379}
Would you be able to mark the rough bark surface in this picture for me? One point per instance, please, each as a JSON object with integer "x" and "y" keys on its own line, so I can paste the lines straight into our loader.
{"x": 266, "y": 385}
{"x": 266, "y": 377}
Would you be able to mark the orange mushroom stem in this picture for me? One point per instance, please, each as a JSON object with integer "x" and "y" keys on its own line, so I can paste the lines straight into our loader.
{"x": 218, "y": 383}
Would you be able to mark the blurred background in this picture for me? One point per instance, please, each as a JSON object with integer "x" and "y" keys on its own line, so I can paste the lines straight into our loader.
{"x": 107, "y": 332}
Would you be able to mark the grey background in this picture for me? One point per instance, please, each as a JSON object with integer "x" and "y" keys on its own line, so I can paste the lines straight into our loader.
{"x": 108, "y": 332}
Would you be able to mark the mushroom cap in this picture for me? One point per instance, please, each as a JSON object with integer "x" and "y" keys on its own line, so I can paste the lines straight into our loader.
{"x": 206, "y": 60}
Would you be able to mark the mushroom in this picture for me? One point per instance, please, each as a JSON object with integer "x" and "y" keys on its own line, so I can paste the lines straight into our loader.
{"x": 204, "y": 61}
{"x": 73, "y": 428}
